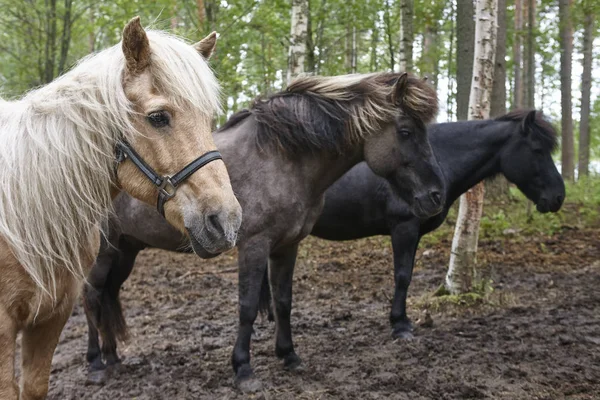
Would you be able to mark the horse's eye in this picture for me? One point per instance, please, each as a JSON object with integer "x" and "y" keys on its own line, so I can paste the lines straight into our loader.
{"x": 404, "y": 133}
{"x": 159, "y": 119}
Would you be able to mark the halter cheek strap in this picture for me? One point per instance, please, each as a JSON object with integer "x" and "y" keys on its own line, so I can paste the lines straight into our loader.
{"x": 166, "y": 184}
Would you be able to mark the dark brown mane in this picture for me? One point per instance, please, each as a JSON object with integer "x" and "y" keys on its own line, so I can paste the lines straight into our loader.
{"x": 332, "y": 113}
{"x": 542, "y": 128}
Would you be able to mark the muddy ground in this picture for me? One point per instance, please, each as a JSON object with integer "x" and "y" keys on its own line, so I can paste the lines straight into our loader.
{"x": 538, "y": 338}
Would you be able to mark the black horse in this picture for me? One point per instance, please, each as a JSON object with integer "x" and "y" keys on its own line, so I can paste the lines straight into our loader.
{"x": 517, "y": 145}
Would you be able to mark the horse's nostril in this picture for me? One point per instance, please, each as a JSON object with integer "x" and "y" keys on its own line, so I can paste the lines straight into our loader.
{"x": 213, "y": 223}
{"x": 436, "y": 197}
{"x": 559, "y": 199}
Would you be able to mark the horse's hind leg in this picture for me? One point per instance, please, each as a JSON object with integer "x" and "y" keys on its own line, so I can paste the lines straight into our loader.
{"x": 281, "y": 272}
{"x": 38, "y": 344}
{"x": 8, "y": 336}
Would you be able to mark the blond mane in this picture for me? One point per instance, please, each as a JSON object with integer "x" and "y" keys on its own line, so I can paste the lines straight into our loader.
{"x": 57, "y": 152}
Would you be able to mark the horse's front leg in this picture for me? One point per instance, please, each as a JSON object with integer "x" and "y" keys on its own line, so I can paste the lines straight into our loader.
{"x": 252, "y": 260}
{"x": 38, "y": 344}
{"x": 8, "y": 336}
{"x": 281, "y": 272}
{"x": 93, "y": 294}
{"x": 405, "y": 240}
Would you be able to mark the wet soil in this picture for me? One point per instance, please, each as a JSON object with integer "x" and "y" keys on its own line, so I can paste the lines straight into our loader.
{"x": 538, "y": 336}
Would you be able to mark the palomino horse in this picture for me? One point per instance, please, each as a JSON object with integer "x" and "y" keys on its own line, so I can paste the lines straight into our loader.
{"x": 58, "y": 174}
{"x": 282, "y": 154}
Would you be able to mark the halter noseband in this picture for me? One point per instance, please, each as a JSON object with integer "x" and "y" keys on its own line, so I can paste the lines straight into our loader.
{"x": 166, "y": 185}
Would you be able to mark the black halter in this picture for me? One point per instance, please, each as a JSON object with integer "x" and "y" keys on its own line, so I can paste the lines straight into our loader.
{"x": 167, "y": 185}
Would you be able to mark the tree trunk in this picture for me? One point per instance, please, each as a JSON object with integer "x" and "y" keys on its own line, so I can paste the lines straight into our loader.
{"x": 211, "y": 8}
{"x": 529, "y": 62}
{"x": 201, "y": 15}
{"x": 350, "y": 46}
{"x": 406, "y": 35}
{"x": 463, "y": 274}
{"x": 65, "y": 41}
{"x": 388, "y": 33}
{"x": 50, "y": 50}
{"x": 310, "y": 44}
{"x": 566, "y": 55}
{"x": 374, "y": 66}
{"x": 465, "y": 40}
{"x": 517, "y": 55}
{"x": 353, "y": 58}
{"x": 297, "y": 52}
{"x": 498, "y": 102}
{"x": 498, "y": 188}
{"x": 450, "y": 59}
{"x": 429, "y": 59}
{"x": 586, "y": 87}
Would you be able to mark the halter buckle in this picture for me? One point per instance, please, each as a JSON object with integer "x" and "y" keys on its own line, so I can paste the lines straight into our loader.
{"x": 166, "y": 188}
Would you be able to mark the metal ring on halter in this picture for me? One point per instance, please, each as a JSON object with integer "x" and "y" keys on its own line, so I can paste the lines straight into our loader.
{"x": 166, "y": 185}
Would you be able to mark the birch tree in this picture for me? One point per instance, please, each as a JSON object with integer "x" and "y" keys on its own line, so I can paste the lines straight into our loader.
{"x": 406, "y": 35}
{"x": 566, "y": 103}
{"x": 297, "y": 52}
{"x": 463, "y": 274}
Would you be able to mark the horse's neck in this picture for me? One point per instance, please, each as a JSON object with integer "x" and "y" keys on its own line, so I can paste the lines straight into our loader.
{"x": 469, "y": 154}
{"x": 315, "y": 171}
{"x": 323, "y": 170}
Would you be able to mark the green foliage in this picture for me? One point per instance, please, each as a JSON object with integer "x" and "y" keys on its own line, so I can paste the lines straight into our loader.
{"x": 252, "y": 52}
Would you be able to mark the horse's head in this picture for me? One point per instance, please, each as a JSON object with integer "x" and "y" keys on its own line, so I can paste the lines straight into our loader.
{"x": 401, "y": 152}
{"x": 173, "y": 95}
{"x": 527, "y": 162}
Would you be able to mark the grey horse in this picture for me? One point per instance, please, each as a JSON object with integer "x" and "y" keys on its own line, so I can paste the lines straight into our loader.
{"x": 282, "y": 154}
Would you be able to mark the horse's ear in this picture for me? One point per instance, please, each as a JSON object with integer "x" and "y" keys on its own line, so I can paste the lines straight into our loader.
{"x": 206, "y": 46}
{"x": 400, "y": 88}
{"x": 528, "y": 122}
{"x": 136, "y": 47}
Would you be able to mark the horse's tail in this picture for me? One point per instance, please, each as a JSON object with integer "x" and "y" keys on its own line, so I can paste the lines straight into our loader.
{"x": 264, "y": 301}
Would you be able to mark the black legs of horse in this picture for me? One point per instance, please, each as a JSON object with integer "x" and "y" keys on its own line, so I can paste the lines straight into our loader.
{"x": 281, "y": 273}
{"x": 103, "y": 306}
{"x": 251, "y": 278}
{"x": 404, "y": 244}
{"x": 252, "y": 263}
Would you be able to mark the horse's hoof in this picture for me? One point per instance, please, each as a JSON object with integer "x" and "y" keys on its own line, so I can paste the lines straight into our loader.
{"x": 402, "y": 335}
{"x": 292, "y": 362}
{"x": 246, "y": 381}
{"x": 97, "y": 377}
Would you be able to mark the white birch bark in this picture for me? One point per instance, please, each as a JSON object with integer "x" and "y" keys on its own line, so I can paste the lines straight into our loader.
{"x": 463, "y": 273}
{"x": 406, "y": 35}
{"x": 297, "y": 51}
